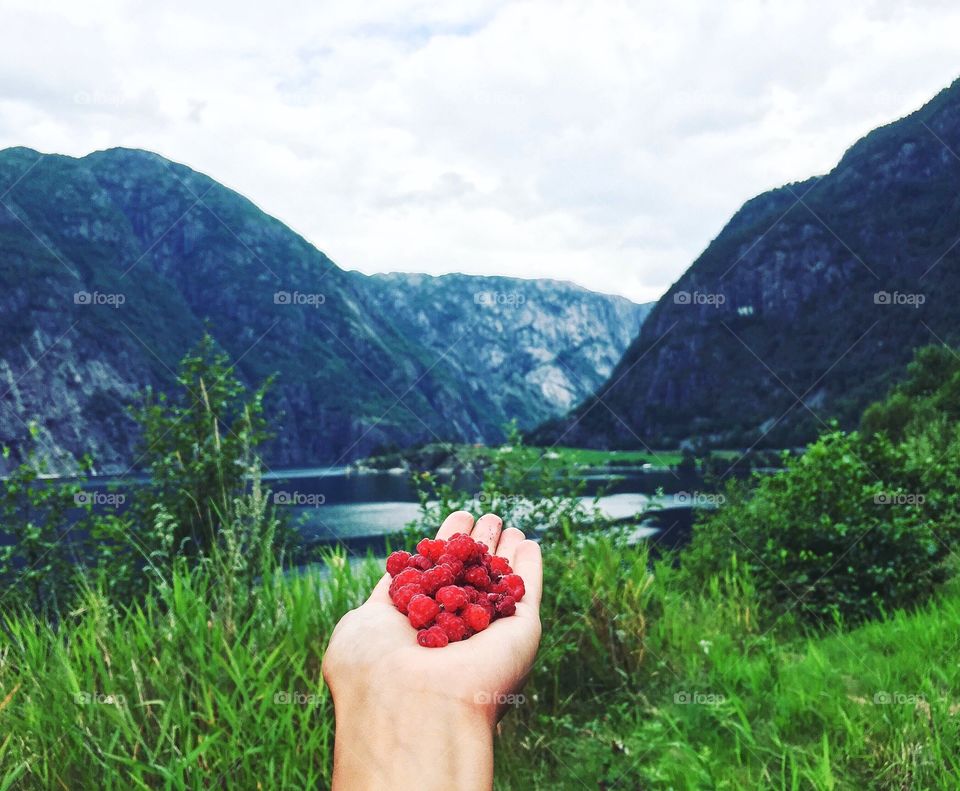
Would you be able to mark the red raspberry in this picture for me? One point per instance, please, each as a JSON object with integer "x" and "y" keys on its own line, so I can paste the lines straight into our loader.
{"x": 432, "y": 549}
{"x": 434, "y": 637}
{"x": 455, "y": 564}
{"x": 406, "y": 577}
{"x": 505, "y": 605}
{"x": 476, "y": 617}
{"x": 453, "y": 626}
{"x": 452, "y": 598}
{"x": 401, "y": 599}
{"x": 420, "y": 562}
{"x": 478, "y": 577}
{"x": 463, "y": 547}
{"x": 499, "y": 565}
{"x": 436, "y": 578}
{"x": 397, "y": 562}
{"x": 513, "y": 584}
{"x": 421, "y": 611}
{"x": 473, "y": 595}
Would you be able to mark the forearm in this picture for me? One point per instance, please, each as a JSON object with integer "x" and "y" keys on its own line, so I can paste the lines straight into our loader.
{"x": 411, "y": 743}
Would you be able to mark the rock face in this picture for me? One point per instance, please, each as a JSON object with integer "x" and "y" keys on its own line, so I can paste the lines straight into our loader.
{"x": 113, "y": 264}
{"x": 804, "y": 306}
{"x": 533, "y": 347}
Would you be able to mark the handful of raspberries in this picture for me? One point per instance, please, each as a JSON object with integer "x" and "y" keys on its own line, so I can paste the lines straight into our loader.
{"x": 452, "y": 589}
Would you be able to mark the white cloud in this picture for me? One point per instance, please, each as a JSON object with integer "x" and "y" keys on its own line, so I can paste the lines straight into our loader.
{"x": 600, "y": 141}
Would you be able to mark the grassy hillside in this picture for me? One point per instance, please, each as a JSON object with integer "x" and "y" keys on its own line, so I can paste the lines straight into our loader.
{"x": 643, "y": 685}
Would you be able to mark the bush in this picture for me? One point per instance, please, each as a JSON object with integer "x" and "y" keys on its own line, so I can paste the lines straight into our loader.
{"x": 850, "y": 529}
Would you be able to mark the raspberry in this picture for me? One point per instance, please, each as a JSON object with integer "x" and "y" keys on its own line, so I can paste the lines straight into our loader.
{"x": 397, "y": 562}
{"x": 463, "y": 548}
{"x": 431, "y": 549}
{"x": 420, "y": 562}
{"x": 406, "y": 577}
{"x": 421, "y": 611}
{"x": 473, "y": 595}
{"x": 435, "y": 578}
{"x": 452, "y": 598}
{"x": 505, "y": 605}
{"x": 453, "y": 626}
{"x": 455, "y": 564}
{"x": 500, "y": 566}
{"x": 476, "y": 617}
{"x": 478, "y": 577}
{"x": 513, "y": 584}
{"x": 434, "y": 637}
{"x": 401, "y": 599}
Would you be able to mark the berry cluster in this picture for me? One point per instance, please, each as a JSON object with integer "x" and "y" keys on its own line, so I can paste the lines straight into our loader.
{"x": 452, "y": 589}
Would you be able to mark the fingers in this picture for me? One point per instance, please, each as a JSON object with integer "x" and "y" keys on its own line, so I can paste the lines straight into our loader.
{"x": 487, "y": 530}
{"x": 509, "y": 541}
{"x": 528, "y": 563}
{"x": 457, "y": 522}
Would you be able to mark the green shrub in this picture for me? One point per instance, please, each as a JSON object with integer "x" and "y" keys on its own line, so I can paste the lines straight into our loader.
{"x": 852, "y": 528}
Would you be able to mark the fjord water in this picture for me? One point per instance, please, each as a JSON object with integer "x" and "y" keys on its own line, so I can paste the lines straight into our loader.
{"x": 339, "y": 505}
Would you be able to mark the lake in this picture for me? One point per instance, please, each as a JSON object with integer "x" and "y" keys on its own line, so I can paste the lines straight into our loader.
{"x": 339, "y": 505}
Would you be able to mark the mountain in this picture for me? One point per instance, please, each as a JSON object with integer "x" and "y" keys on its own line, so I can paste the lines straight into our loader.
{"x": 802, "y": 307}
{"x": 536, "y": 346}
{"x": 113, "y": 264}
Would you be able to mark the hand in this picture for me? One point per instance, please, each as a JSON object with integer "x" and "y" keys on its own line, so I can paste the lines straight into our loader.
{"x": 416, "y": 717}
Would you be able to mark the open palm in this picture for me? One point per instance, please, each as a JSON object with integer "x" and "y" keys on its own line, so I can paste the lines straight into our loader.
{"x": 375, "y": 644}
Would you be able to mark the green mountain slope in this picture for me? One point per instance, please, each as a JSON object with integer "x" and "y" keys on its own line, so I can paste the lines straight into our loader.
{"x": 802, "y": 306}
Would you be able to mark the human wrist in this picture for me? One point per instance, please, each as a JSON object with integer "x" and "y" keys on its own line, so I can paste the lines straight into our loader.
{"x": 400, "y": 740}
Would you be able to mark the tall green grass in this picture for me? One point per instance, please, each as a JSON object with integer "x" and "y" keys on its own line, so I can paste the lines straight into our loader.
{"x": 641, "y": 681}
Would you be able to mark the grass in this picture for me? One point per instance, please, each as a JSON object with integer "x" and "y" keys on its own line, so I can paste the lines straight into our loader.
{"x": 641, "y": 682}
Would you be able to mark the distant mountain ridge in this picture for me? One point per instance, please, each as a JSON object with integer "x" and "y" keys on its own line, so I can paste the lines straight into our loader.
{"x": 802, "y": 307}
{"x": 112, "y": 265}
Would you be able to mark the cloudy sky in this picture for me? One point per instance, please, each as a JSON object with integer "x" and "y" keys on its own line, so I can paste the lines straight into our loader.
{"x": 598, "y": 141}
